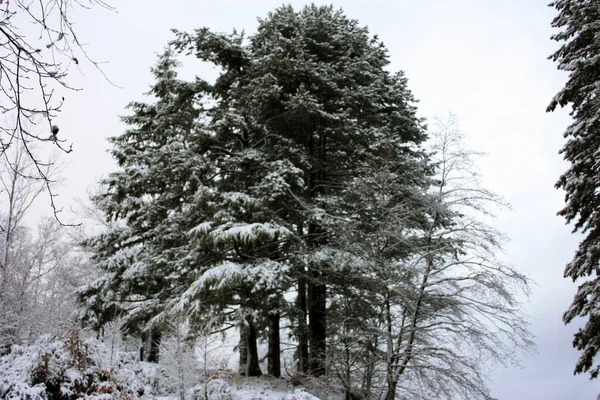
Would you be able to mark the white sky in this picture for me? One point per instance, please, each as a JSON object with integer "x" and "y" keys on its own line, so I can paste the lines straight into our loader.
{"x": 485, "y": 61}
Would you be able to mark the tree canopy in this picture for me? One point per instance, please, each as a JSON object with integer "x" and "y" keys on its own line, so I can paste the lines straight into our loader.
{"x": 579, "y": 21}
{"x": 297, "y": 187}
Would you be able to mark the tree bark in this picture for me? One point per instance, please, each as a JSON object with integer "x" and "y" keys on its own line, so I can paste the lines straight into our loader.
{"x": 243, "y": 349}
{"x": 274, "y": 358}
{"x": 252, "y": 367}
{"x": 302, "y": 327}
{"x": 392, "y": 385}
{"x": 150, "y": 350}
{"x": 318, "y": 325}
{"x": 317, "y": 290}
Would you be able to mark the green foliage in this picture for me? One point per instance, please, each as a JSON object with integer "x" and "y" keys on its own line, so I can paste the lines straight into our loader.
{"x": 579, "y": 54}
{"x": 302, "y": 164}
{"x": 219, "y": 182}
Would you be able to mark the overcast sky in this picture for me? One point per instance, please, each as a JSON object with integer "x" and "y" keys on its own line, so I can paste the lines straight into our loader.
{"x": 485, "y": 61}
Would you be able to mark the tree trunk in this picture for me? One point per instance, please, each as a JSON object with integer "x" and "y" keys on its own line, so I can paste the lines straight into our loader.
{"x": 243, "y": 348}
{"x": 392, "y": 384}
{"x": 302, "y": 327}
{"x": 252, "y": 367}
{"x": 317, "y": 290}
{"x": 392, "y": 381}
{"x": 150, "y": 348}
{"x": 154, "y": 351}
{"x": 408, "y": 353}
{"x": 395, "y": 371}
{"x": 318, "y": 325}
{"x": 274, "y": 358}
{"x": 370, "y": 367}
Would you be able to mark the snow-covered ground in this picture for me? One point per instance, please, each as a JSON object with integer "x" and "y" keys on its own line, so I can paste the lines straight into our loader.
{"x": 75, "y": 367}
{"x": 238, "y": 387}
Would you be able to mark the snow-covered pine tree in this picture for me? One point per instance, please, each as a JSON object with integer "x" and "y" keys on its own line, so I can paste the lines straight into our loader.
{"x": 317, "y": 82}
{"x": 192, "y": 230}
{"x": 249, "y": 226}
{"x": 579, "y": 55}
{"x": 262, "y": 156}
{"x": 161, "y": 167}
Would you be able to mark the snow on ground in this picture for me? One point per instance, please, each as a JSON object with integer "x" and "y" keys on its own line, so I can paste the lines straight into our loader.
{"x": 266, "y": 388}
{"x": 75, "y": 367}
{"x": 236, "y": 387}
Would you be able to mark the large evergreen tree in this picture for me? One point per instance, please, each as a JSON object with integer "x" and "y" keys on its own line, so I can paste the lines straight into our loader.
{"x": 162, "y": 168}
{"x": 191, "y": 217}
{"x": 332, "y": 98}
{"x": 229, "y": 192}
{"x": 579, "y": 55}
{"x": 315, "y": 83}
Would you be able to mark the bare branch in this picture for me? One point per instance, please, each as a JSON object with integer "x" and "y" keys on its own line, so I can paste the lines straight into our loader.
{"x": 33, "y": 70}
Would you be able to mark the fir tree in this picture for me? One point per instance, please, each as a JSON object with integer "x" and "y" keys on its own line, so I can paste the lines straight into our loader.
{"x": 579, "y": 55}
{"x": 191, "y": 219}
{"x": 323, "y": 88}
{"x": 228, "y": 192}
{"x": 162, "y": 167}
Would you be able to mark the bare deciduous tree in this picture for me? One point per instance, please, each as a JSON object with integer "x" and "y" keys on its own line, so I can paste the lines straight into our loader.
{"x": 466, "y": 306}
{"x": 432, "y": 304}
{"x": 20, "y": 191}
{"x": 38, "y": 269}
{"x": 38, "y": 47}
